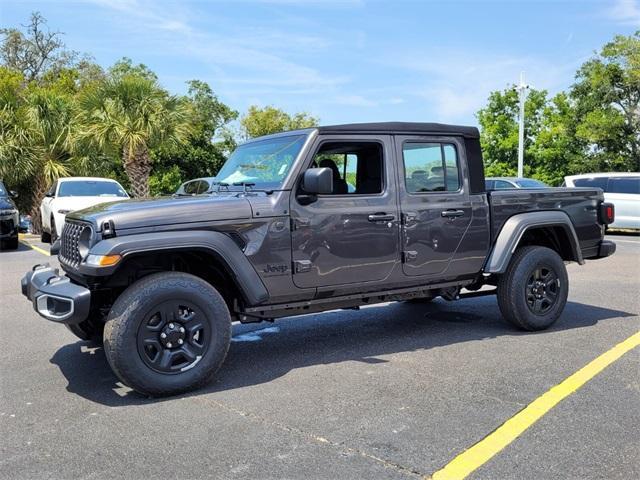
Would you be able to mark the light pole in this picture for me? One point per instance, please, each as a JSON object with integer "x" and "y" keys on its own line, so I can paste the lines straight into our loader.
{"x": 522, "y": 95}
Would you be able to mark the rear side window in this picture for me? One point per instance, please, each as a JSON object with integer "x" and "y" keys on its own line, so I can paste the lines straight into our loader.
{"x": 624, "y": 185}
{"x": 594, "y": 182}
{"x": 430, "y": 167}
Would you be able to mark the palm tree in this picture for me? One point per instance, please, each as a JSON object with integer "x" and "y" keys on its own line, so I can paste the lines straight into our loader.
{"x": 131, "y": 115}
{"x": 37, "y": 142}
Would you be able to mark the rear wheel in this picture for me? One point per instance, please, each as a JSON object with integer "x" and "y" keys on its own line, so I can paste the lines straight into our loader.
{"x": 167, "y": 333}
{"x": 532, "y": 293}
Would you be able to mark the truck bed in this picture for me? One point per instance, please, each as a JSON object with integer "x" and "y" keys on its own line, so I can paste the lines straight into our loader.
{"x": 581, "y": 204}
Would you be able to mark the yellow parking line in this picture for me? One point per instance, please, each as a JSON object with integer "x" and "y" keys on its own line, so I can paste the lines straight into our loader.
{"x": 484, "y": 450}
{"x": 37, "y": 249}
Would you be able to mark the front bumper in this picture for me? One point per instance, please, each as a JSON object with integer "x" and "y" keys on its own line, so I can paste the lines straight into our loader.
{"x": 8, "y": 227}
{"x": 54, "y": 297}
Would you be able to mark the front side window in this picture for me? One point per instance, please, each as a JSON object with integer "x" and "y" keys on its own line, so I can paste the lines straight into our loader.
{"x": 91, "y": 188}
{"x": 593, "y": 182}
{"x": 264, "y": 163}
{"x": 195, "y": 187}
{"x": 430, "y": 167}
{"x": 357, "y": 166}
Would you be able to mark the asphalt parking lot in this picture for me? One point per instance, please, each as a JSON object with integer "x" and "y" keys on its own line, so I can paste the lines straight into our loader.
{"x": 391, "y": 391}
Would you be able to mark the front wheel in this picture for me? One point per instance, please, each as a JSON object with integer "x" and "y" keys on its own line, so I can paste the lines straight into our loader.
{"x": 167, "y": 333}
{"x": 9, "y": 244}
{"x": 533, "y": 292}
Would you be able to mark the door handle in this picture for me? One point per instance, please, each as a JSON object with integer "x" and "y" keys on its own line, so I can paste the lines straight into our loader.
{"x": 380, "y": 217}
{"x": 453, "y": 213}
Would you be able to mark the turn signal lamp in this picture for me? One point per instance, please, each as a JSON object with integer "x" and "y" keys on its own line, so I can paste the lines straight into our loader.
{"x": 102, "y": 260}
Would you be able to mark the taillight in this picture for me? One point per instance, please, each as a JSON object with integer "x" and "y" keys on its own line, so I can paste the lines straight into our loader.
{"x": 607, "y": 213}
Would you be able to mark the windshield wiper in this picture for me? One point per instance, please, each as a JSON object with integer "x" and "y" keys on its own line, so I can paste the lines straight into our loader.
{"x": 245, "y": 185}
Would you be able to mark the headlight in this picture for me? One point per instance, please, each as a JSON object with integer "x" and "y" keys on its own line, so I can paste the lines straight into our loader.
{"x": 12, "y": 211}
{"x": 102, "y": 260}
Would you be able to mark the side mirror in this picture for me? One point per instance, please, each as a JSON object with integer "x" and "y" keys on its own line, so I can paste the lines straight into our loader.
{"x": 318, "y": 181}
{"x": 13, "y": 193}
{"x": 48, "y": 195}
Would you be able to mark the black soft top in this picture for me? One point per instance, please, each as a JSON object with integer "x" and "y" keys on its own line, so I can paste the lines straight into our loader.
{"x": 402, "y": 127}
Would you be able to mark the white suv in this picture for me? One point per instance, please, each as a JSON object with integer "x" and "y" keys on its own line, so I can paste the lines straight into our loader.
{"x": 621, "y": 189}
{"x": 75, "y": 193}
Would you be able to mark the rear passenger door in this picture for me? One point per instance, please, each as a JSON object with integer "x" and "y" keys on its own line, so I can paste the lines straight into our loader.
{"x": 434, "y": 202}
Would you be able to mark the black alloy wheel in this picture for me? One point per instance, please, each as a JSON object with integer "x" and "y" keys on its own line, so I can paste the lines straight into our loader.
{"x": 542, "y": 289}
{"x": 173, "y": 338}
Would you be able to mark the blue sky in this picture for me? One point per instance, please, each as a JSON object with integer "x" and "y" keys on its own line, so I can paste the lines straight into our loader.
{"x": 344, "y": 60}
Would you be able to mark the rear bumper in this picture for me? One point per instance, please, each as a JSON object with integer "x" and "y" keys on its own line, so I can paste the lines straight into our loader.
{"x": 54, "y": 297}
{"x": 606, "y": 249}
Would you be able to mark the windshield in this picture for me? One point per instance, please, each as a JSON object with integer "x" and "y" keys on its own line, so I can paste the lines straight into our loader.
{"x": 530, "y": 183}
{"x": 264, "y": 163}
{"x": 91, "y": 188}
{"x": 3, "y": 191}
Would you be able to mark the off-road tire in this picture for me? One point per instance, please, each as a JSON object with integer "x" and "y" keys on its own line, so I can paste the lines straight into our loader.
{"x": 130, "y": 312}
{"x": 90, "y": 330}
{"x": 514, "y": 288}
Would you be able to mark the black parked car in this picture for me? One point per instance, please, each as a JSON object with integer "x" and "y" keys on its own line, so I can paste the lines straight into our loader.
{"x": 9, "y": 219}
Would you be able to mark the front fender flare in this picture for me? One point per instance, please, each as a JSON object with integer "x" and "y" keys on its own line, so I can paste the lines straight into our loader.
{"x": 516, "y": 226}
{"x": 237, "y": 264}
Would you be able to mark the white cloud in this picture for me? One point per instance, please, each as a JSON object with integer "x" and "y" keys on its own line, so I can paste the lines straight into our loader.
{"x": 625, "y": 12}
{"x": 455, "y": 84}
{"x": 246, "y": 59}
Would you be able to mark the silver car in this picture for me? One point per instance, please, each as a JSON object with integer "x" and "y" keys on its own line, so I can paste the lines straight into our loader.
{"x": 621, "y": 189}
{"x": 198, "y": 186}
{"x": 507, "y": 183}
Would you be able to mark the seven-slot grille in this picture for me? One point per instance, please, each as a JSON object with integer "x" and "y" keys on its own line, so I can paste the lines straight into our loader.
{"x": 69, "y": 251}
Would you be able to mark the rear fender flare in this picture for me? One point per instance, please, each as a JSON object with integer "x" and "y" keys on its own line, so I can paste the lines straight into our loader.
{"x": 516, "y": 226}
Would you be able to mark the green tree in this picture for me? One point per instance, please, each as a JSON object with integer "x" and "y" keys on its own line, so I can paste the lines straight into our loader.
{"x": 499, "y": 131}
{"x": 131, "y": 114}
{"x": 207, "y": 148}
{"x": 607, "y": 104}
{"x": 35, "y": 51}
{"x": 263, "y": 121}
{"x": 38, "y": 142}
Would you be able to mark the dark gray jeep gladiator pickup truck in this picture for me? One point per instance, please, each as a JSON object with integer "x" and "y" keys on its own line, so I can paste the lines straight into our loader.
{"x": 306, "y": 221}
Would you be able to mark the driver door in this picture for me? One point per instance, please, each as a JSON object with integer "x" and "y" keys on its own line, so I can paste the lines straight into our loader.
{"x": 351, "y": 235}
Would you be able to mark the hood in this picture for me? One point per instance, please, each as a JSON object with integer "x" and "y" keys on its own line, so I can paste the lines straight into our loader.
{"x": 78, "y": 203}
{"x": 7, "y": 204}
{"x": 165, "y": 211}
